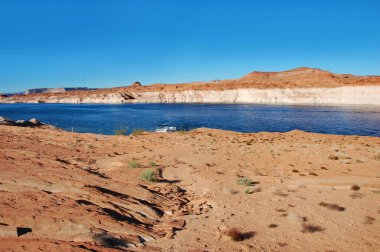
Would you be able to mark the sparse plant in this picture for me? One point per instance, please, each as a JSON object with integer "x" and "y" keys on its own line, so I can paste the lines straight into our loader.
{"x": 137, "y": 132}
{"x": 152, "y": 164}
{"x": 237, "y": 235}
{"x": 377, "y": 156}
{"x": 149, "y": 176}
{"x": 134, "y": 164}
{"x": 334, "y": 207}
{"x": 245, "y": 181}
{"x": 121, "y": 132}
{"x": 355, "y": 188}
{"x": 333, "y": 157}
{"x": 310, "y": 228}
{"x": 248, "y": 191}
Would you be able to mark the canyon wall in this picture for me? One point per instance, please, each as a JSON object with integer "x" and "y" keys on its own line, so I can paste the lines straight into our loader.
{"x": 349, "y": 95}
{"x": 345, "y": 95}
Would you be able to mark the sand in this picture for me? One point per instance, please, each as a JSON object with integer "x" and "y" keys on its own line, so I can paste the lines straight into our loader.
{"x": 84, "y": 192}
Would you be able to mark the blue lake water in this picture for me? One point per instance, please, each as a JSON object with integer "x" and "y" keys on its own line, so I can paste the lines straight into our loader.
{"x": 105, "y": 119}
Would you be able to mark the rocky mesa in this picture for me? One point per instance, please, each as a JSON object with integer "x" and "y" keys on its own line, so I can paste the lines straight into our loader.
{"x": 303, "y": 85}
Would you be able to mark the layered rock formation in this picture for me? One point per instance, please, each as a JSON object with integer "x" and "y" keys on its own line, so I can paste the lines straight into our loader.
{"x": 298, "y": 86}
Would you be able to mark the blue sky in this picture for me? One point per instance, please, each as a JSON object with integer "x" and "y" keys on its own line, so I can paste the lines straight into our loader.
{"x": 104, "y": 43}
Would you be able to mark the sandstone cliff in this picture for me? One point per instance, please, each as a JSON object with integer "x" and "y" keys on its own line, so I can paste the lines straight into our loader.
{"x": 298, "y": 86}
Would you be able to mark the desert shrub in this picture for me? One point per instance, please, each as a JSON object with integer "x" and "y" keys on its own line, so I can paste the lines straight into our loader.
{"x": 245, "y": 181}
{"x": 134, "y": 164}
{"x": 248, "y": 191}
{"x": 137, "y": 132}
{"x": 149, "y": 176}
{"x": 152, "y": 164}
{"x": 333, "y": 157}
{"x": 377, "y": 156}
{"x": 237, "y": 235}
{"x": 355, "y": 188}
{"x": 334, "y": 207}
{"x": 310, "y": 228}
{"x": 273, "y": 225}
{"x": 121, "y": 132}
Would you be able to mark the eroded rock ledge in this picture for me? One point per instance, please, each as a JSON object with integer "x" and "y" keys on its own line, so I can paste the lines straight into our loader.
{"x": 309, "y": 86}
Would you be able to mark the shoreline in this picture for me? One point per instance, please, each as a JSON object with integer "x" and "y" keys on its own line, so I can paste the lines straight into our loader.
{"x": 206, "y": 103}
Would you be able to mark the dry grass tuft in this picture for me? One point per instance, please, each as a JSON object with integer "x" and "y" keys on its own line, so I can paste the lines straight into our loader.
{"x": 333, "y": 157}
{"x": 310, "y": 228}
{"x": 334, "y": 207}
{"x": 355, "y": 188}
{"x": 368, "y": 220}
{"x": 237, "y": 235}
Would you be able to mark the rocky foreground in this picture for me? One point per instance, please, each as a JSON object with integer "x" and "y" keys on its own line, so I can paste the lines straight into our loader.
{"x": 203, "y": 190}
{"x": 309, "y": 86}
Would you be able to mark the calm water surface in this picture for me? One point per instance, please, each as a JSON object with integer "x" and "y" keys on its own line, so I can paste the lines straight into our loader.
{"x": 105, "y": 119}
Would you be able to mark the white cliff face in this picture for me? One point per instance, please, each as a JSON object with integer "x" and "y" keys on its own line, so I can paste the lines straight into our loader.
{"x": 349, "y": 95}
{"x": 111, "y": 98}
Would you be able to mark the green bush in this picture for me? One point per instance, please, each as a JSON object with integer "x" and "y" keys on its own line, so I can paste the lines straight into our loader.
{"x": 245, "y": 181}
{"x": 152, "y": 164}
{"x": 134, "y": 164}
{"x": 149, "y": 176}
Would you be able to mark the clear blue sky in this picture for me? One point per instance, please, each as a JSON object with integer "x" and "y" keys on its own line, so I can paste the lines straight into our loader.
{"x": 103, "y": 43}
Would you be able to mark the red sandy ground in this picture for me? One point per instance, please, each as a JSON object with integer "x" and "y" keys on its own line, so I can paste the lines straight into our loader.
{"x": 79, "y": 192}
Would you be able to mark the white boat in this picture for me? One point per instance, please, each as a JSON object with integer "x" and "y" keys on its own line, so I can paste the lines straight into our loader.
{"x": 165, "y": 128}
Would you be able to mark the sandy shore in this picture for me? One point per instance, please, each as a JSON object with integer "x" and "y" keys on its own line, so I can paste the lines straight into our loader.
{"x": 292, "y": 191}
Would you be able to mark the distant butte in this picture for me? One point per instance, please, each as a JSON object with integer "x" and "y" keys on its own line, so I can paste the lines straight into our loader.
{"x": 136, "y": 84}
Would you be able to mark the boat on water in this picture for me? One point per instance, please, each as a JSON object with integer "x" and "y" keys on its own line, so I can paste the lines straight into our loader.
{"x": 165, "y": 128}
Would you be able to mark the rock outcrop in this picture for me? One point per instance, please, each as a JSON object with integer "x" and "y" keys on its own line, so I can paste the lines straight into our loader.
{"x": 21, "y": 123}
{"x": 298, "y": 86}
{"x": 349, "y": 95}
{"x": 136, "y": 84}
